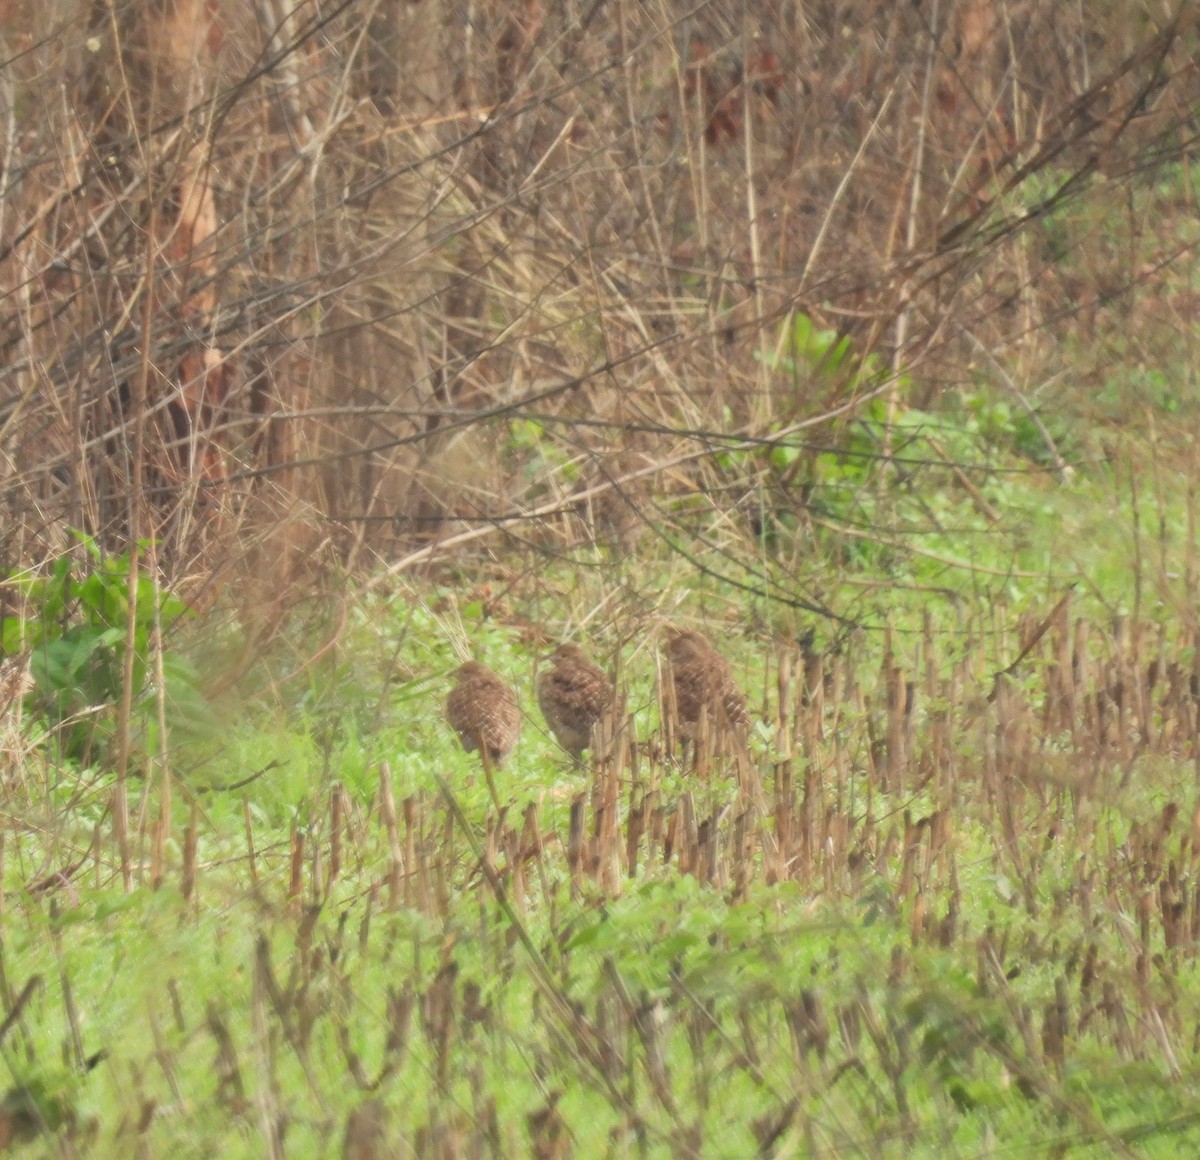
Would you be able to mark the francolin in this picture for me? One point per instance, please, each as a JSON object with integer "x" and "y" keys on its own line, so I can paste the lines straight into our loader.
{"x": 573, "y": 694}
{"x": 703, "y": 680}
{"x": 483, "y": 711}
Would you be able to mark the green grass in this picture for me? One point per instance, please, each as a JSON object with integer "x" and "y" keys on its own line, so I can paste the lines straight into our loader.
{"x": 979, "y": 943}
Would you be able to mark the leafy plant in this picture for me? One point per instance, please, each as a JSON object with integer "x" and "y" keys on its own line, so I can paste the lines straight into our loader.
{"x": 79, "y": 638}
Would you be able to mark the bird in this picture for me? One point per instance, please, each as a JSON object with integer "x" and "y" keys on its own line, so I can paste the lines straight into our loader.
{"x": 483, "y": 711}
{"x": 702, "y": 680}
{"x": 573, "y": 694}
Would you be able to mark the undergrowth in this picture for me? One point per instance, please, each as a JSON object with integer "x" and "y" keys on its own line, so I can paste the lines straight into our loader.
{"x": 942, "y": 904}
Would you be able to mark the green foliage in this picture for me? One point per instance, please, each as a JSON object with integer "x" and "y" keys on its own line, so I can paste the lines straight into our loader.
{"x": 1165, "y": 389}
{"x": 899, "y": 490}
{"x": 79, "y": 640}
{"x": 536, "y": 455}
{"x": 809, "y": 350}
{"x": 788, "y": 1011}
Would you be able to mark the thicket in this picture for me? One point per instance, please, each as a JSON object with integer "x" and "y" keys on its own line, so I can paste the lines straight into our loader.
{"x": 368, "y": 283}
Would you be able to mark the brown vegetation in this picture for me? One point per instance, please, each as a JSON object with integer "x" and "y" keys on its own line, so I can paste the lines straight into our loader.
{"x": 279, "y": 281}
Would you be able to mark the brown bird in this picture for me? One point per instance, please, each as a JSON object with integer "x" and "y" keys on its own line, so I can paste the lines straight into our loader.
{"x": 573, "y": 694}
{"x": 483, "y": 711}
{"x": 702, "y": 679}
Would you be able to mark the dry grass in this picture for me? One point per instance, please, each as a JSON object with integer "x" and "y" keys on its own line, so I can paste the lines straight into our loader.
{"x": 282, "y": 279}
